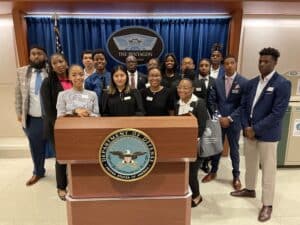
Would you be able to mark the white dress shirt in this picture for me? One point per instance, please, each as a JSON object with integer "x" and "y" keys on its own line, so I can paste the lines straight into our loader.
{"x": 185, "y": 108}
{"x": 34, "y": 100}
{"x": 214, "y": 73}
{"x": 86, "y": 75}
{"x": 135, "y": 74}
{"x": 206, "y": 80}
{"x": 260, "y": 87}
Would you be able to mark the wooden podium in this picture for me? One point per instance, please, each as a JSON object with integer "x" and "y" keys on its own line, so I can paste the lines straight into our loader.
{"x": 161, "y": 198}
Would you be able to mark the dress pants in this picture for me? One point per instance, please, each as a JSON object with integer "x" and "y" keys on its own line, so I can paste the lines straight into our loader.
{"x": 37, "y": 144}
{"x": 265, "y": 154}
{"x": 233, "y": 136}
{"x": 193, "y": 178}
{"x": 60, "y": 173}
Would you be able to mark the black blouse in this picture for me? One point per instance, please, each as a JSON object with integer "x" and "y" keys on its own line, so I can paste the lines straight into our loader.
{"x": 122, "y": 104}
{"x": 170, "y": 82}
{"x": 158, "y": 103}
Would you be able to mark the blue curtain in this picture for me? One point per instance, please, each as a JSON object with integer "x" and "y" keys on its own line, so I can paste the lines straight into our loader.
{"x": 183, "y": 36}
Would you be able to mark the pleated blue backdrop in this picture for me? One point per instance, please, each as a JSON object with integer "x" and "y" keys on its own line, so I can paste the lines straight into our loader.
{"x": 192, "y": 37}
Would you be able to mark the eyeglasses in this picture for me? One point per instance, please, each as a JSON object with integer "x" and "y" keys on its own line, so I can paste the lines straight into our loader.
{"x": 184, "y": 88}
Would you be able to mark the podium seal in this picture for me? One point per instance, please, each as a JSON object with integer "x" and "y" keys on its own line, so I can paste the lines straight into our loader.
{"x": 127, "y": 155}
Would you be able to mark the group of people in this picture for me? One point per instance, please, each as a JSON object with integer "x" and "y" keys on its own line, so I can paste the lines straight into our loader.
{"x": 213, "y": 89}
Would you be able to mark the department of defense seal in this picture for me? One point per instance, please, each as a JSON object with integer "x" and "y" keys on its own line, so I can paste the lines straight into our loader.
{"x": 127, "y": 155}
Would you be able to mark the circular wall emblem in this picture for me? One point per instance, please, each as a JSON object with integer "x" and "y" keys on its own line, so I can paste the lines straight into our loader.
{"x": 143, "y": 43}
{"x": 127, "y": 155}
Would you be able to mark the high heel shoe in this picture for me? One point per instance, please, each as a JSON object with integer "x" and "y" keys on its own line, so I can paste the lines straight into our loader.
{"x": 194, "y": 204}
{"x": 62, "y": 194}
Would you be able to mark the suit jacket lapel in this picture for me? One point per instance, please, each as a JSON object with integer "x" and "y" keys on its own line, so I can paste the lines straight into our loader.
{"x": 176, "y": 109}
{"x": 266, "y": 87}
{"x": 233, "y": 85}
{"x": 222, "y": 80}
{"x": 27, "y": 79}
{"x": 210, "y": 81}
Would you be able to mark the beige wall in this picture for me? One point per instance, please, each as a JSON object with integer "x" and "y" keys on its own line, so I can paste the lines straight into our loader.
{"x": 9, "y": 127}
{"x": 281, "y": 32}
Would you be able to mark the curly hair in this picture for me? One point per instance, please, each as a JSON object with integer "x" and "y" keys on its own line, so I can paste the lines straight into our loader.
{"x": 270, "y": 51}
{"x": 99, "y": 51}
{"x": 217, "y": 47}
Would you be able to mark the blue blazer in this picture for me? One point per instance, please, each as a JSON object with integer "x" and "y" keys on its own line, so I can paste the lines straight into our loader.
{"x": 269, "y": 109}
{"x": 221, "y": 73}
{"x": 231, "y": 105}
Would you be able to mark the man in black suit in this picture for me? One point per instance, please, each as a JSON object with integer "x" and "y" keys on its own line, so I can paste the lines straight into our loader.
{"x": 187, "y": 68}
{"x": 202, "y": 84}
{"x": 137, "y": 80}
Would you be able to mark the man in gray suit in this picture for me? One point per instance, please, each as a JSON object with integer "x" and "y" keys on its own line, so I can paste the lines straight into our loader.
{"x": 28, "y": 108}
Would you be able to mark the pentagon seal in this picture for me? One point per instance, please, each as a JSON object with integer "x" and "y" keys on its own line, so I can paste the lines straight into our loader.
{"x": 127, "y": 155}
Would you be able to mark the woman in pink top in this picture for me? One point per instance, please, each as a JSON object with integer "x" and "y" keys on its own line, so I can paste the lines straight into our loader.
{"x": 56, "y": 82}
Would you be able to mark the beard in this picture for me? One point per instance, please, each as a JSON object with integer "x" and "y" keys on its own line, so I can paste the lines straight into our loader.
{"x": 189, "y": 74}
{"x": 38, "y": 65}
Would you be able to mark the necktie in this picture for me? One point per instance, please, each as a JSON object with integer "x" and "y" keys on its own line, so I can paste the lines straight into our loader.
{"x": 205, "y": 80}
{"x": 228, "y": 83}
{"x": 38, "y": 82}
{"x": 132, "y": 81}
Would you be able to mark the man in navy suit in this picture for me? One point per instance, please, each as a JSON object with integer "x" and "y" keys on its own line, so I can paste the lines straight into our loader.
{"x": 225, "y": 100}
{"x": 137, "y": 80}
{"x": 263, "y": 106}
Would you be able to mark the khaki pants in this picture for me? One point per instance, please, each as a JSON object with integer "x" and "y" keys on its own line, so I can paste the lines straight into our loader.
{"x": 264, "y": 153}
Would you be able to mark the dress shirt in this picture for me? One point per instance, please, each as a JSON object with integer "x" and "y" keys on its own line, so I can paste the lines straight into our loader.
{"x": 34, "y": 100}
{"x": 260, "y": 87}
{"x": 86, "y": 75}
{"x": 214, "y": 73}
{"x": 135, "y": 74}
{"x": 185, "y": 108}
{"x": 206, "y": 80}
{"x": 226, "y": 80}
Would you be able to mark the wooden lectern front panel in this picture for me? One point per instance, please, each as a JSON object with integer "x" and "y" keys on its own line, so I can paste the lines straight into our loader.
{"x": 133, "y": 211}
{"x": 78, "y": 139}
{"x": 166, "y": 179}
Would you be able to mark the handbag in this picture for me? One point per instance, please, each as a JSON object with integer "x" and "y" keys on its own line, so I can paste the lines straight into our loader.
{"x": 211, "y": 141}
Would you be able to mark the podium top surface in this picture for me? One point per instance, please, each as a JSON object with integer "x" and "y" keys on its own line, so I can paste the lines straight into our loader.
{"x": 78, "y": 140}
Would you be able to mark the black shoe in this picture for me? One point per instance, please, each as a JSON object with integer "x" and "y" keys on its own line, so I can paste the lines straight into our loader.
{"x": 244, "y": 193}
{"x": 194, "y": 204}
{"x": 204, "y": 167}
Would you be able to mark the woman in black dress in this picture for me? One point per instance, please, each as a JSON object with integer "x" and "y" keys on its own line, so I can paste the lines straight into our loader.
{"x": 157, "y": 99}
{"x": 119, "y": 99}
{"x": 170, "y": 78}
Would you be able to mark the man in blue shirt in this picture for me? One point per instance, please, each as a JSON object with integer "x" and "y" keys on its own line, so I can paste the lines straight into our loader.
{"x": 99, "y": 80}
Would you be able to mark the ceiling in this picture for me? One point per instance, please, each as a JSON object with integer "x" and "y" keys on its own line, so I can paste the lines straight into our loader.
{"x": 152, "y": 7}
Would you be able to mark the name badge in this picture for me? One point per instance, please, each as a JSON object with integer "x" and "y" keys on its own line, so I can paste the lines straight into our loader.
{"x": 149, "y": 98}
{"x": 198, "y": 89}
{"x": 85, "y": 96}
{"x": 235, "y": 91}
{"x": 147, "y": 85}
{"x": 270, "y": 89}
{"x": 127, "y": 98}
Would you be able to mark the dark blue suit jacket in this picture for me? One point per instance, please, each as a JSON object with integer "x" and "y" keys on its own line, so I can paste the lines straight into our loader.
{"x": 221, "y": 73}
{"x": 269, "y": 109}
{"x": 231, "y": 105}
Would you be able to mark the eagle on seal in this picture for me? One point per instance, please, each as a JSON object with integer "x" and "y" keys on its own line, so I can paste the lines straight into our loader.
{"x": 127, "y": 157}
